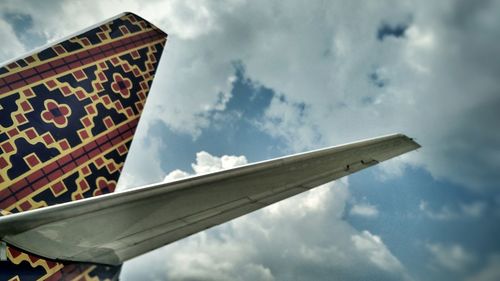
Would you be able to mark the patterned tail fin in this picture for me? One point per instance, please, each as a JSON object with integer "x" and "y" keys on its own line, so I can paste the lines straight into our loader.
{"x": 68, "y": 114}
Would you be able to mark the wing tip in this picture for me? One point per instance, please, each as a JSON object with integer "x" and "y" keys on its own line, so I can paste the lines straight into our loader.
{"x": 410, "y": 140}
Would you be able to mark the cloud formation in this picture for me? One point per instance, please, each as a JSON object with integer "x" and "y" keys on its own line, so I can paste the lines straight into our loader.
{"x": 264, "y": 245}
{"x": 376, "y": 251}
{"x": 464, "y": 210}
{"x": 335, "y": 72}
{"x": 452, "y": 257}
{"x": 15, "y": 47}
{"x": 364, "y": 210}
{"x": 433, "y": 76}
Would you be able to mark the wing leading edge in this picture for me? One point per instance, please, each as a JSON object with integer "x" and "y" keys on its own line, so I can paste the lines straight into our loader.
{"x": 130, "y": 223}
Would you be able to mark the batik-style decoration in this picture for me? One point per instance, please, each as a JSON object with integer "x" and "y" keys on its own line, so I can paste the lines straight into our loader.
{"x": 67, "y": 117}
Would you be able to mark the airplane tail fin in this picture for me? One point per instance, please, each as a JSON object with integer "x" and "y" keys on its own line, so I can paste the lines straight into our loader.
{"x": 73, "y": 109}
{"x": 68, "y": 115}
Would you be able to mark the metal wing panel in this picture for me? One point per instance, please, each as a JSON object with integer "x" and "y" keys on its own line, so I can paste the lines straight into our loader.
{"x": 133, "y": 222}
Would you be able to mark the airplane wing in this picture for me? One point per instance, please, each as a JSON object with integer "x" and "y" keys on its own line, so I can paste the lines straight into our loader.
{"x": 113, "y": 228}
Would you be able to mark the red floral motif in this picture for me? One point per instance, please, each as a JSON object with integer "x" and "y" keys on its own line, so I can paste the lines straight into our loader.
{"x": 56, "y": 113}
{"x": 104, "y": 186}
{"x": 121, "y": 85}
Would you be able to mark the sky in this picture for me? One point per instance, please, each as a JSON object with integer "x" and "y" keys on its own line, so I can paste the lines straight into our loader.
{"x": 243, "y": 81}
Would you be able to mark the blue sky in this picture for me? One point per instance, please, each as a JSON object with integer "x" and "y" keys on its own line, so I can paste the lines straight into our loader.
{"x": 260, "y": 79}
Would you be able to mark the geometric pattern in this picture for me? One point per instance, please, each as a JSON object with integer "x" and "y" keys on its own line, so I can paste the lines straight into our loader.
{"x": 68, "y": 116}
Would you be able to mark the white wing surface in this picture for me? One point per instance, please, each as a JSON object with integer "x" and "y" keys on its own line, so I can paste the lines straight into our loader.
{"x": 113, "y": 228}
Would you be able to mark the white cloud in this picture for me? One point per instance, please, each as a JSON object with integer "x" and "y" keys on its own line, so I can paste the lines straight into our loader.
{"x": 464, "y": 210}
{"x": 206, "y": 163}
{"x": 445, "y": 213}
{"x": 364, "y": 210}
{"x": 310, "y": 203}
{"x": 395, "y": 168}
{"x": 452, "y": 257}
{"x": 14, "y": 47}
{"x": 212, "y": 259}
{"x": 423, "y": 39}
{"x": 276, "y": 243}
{"x": 136, "y": 173}
{"x": 376, "y": 251}
{"x": 474, "y": 209}
{"x": 176, "y": 175}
